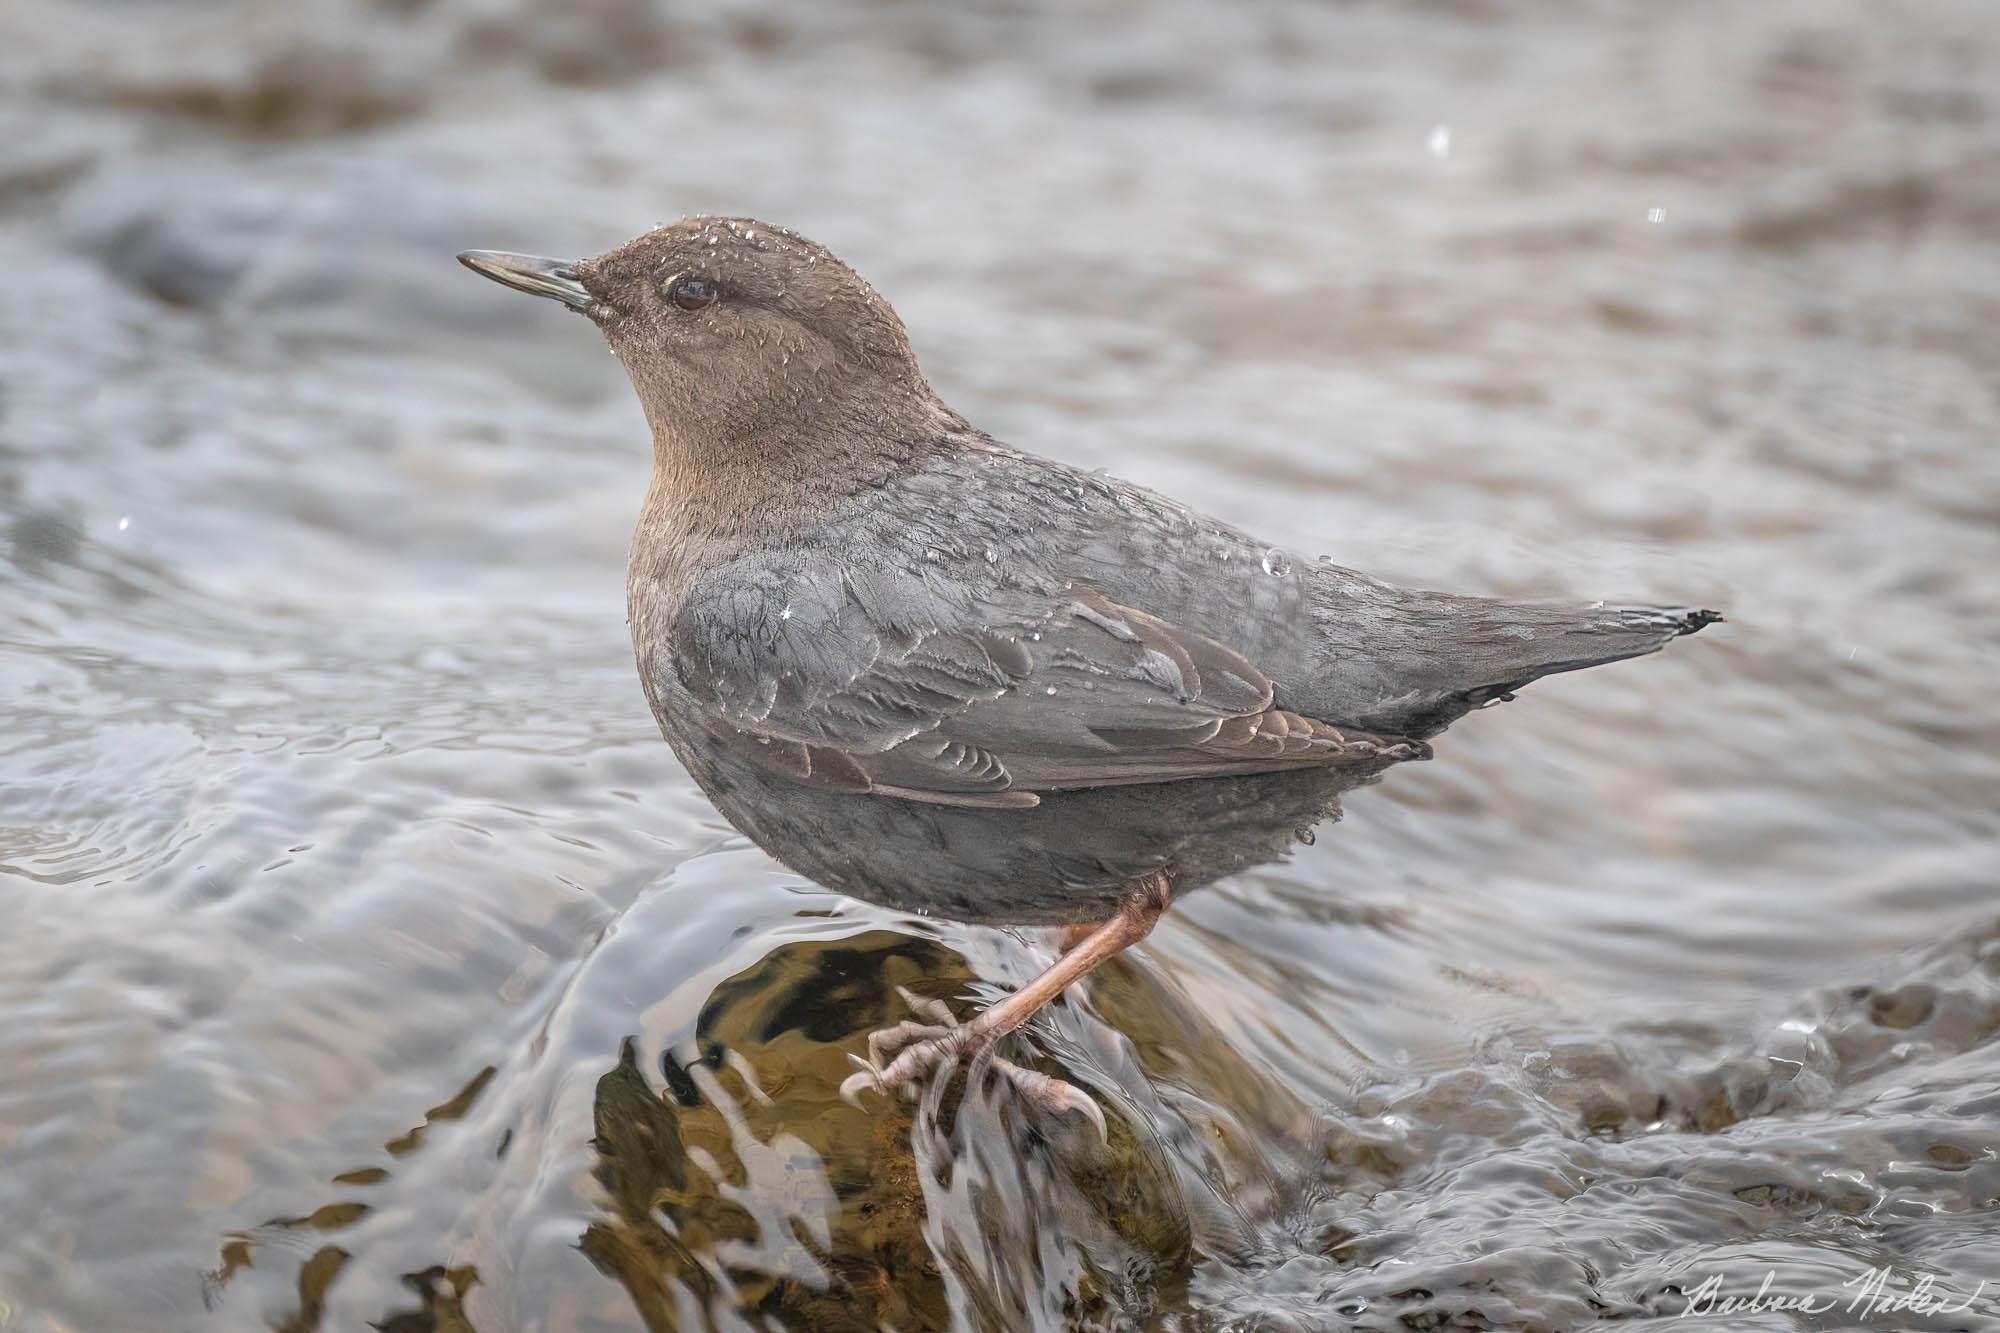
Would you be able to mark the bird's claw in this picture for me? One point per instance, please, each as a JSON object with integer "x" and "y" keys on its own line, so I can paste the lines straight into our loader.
{"x": 900, "y": 1058}
{"x": 1054, "y": 1096}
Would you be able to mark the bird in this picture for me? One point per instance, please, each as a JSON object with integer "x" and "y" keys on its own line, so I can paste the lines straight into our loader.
{"x": 951, "y": 677}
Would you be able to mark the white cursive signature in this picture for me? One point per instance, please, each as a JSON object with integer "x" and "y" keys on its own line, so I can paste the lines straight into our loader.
{"x": 1873, "y": 1295}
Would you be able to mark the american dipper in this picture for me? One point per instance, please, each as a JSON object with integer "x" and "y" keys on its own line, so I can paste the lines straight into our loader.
{"x": 935, "y": 672}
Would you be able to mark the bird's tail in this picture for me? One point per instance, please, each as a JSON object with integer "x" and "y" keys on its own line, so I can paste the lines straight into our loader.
{"x": 1437, "y": 656}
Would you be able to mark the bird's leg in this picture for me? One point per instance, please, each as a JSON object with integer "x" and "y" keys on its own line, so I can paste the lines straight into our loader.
{"x": 901, "y": 1056}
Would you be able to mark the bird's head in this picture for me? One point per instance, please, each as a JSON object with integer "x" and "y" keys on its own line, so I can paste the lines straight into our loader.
{"x": 731, "y": 329}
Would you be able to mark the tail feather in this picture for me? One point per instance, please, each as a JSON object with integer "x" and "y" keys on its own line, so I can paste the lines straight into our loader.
{"x": 1411, "y": 663}
{"x": 1617, "y": 633}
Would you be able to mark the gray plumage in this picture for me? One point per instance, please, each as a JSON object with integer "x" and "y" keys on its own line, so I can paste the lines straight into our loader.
{"x": 938, "y": 673}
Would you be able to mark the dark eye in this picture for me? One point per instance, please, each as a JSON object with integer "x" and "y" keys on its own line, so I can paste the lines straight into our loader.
{"x": 694, "y": 293}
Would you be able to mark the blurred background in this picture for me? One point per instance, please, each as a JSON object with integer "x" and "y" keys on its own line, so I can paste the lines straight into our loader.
{"x": 366, "y": 959}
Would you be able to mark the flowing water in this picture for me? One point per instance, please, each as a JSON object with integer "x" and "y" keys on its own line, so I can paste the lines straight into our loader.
{"x": 368, "y": 960}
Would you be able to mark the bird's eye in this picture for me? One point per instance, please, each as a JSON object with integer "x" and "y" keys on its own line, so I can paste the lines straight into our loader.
{"x": 694, "y": 294}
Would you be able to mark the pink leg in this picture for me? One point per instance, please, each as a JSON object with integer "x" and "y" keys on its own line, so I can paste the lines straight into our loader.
{"x": 917, "y": 1050}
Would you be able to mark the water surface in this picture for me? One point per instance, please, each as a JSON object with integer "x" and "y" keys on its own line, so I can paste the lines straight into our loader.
{"x": 368, "y": 959}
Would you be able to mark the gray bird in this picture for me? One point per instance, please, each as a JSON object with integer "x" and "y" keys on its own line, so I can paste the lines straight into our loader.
{"x": 940, "y": 674}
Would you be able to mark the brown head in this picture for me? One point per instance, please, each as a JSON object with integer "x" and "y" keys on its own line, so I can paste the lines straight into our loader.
{"x": 759, "y": 357}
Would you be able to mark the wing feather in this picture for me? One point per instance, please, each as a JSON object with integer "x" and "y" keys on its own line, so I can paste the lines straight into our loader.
{"x": 870, "y": 684}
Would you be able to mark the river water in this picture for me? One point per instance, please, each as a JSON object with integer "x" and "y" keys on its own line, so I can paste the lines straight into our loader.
{"x": 368, "y": 959}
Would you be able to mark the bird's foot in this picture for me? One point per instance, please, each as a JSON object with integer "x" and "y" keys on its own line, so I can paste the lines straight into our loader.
{"x": 902, "y": 1057}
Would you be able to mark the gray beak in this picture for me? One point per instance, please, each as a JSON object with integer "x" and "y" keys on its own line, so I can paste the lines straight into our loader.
{"x": 532, "y": 274}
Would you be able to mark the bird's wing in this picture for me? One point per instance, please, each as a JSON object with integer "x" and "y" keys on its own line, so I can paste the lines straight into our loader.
{"x": 901, "y": 687}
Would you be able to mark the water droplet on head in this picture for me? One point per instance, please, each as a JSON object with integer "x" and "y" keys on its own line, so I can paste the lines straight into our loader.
{"x": 1050, "y": 690}
{"x": 1277, "y": 563}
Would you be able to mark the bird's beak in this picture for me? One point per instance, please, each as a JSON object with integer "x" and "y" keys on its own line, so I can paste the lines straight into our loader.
{"x": 554, "y": 278}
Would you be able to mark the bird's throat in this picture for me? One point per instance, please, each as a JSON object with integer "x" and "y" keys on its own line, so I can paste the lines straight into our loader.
{"x": 783, "y": 473}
